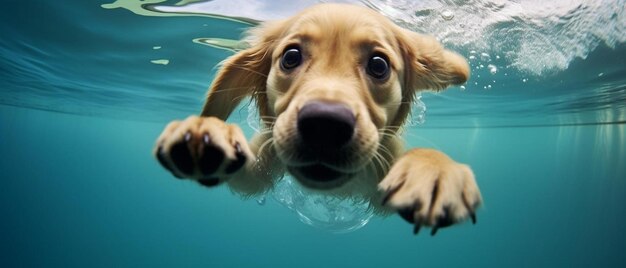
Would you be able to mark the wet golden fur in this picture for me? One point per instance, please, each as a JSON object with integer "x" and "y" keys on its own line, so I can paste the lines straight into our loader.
{"x": 336, "y": 41}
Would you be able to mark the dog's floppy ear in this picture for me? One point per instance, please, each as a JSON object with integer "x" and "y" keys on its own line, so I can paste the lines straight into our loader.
{"x": 429, "y": 65}
{"x": 243, "y": 74}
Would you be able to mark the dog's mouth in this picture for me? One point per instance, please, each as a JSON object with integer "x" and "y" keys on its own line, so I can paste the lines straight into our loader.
{"x": 319, "y": 176}
{"x": 323, "y": 167}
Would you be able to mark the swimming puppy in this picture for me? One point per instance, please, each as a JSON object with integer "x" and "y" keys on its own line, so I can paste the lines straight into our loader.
{"x": 333, "y": 86}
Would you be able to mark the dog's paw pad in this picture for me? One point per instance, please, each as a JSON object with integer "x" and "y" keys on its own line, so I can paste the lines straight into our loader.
{"x": 204, "y": 149}
{"x": 209, "y": 182}
{"x": 211, "y": 156}
{"x": 181, "y": 155}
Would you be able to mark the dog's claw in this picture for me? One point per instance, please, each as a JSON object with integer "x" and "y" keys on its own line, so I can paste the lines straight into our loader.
{"x": 470, "y": 209}
{"x": 237, "y": 164}
{"x": 407, "y": 214}
{"x": 411, "y": 215}
{"x": 417, "y": 226}
{"x": 444, "y": 220}
{"x": 391, "y": 192}
{"x": 433, "y": 232}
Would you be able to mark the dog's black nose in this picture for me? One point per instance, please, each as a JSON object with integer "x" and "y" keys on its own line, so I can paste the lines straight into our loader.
{"x": 325, "y": 124}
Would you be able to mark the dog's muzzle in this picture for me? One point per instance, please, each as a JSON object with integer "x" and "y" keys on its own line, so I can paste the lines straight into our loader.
{"x": 325, "y": 126}
{"x": 325, "y": 131}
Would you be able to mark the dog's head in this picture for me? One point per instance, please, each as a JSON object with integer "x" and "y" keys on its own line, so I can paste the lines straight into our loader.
{"x": 333, "y": 82}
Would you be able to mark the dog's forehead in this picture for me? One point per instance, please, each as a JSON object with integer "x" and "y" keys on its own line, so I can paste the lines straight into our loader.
{"x": 357, "y": 25}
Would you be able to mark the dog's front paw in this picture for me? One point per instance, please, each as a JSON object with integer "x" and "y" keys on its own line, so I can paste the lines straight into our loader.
{"x": 202, "y": 148}
{"x": 428, "y": 188}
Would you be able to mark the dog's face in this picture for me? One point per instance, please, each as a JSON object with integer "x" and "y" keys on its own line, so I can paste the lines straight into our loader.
{"x": 334, "y": 81}
{"x": 334, "y": 84}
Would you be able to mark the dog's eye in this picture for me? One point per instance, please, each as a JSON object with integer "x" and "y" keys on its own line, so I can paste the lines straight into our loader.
{"x": 378, "y": 67}
{"x": 291, "y": 58}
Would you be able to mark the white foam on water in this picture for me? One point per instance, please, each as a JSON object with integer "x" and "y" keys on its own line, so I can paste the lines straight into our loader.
{"x": 533, "y": 36}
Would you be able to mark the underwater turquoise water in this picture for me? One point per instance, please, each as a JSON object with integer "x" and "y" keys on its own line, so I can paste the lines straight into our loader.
{"x": 85, "y": 89}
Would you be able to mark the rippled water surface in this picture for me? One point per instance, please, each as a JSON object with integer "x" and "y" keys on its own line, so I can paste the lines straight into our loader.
{"x": 86, "y": 86}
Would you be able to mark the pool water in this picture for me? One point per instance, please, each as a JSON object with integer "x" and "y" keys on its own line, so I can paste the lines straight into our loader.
{"x": 87, "y": 86}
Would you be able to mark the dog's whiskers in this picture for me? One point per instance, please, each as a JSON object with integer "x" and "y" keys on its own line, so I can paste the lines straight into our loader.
{"x": 238, "y": 98}
{"x": 268, "y": 141}
{"x": 275, "y": 91}
{"x": 268, "y": 120}
{"x": 385, "y": 150}
{"x": 268, "y": 117}
{"x": 382, "y": 164}
{"x": 395, "y": 104}
{"x": 265, "y": 131}
{"x": 224, "y": 90}
{"x": 389, "y": 132}
{"x": 252, "y": 71}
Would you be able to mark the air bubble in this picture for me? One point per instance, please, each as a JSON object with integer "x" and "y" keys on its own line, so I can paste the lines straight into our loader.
{"x": 253, "y": 118}
{"x": 161, "y": 61}
{"x": 447, "y": 14}
{"x": 462, "y": 87}
{"x": 524, "y": 80}
{"x": 492, "y": 69}
{"x": 330, "y": 213}
{"x": 261, "y": 201}
{"x": 418, "y": 113}
{"x": 485, "y": 57}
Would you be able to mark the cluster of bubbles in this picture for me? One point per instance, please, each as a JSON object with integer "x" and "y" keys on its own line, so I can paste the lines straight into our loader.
{"x": 447, "y": 14}
{"x": 418, "y": 112}
{"x": 536, "y": 37}
{"x": 484, "y": 68}
{"x": 489, "y": 68}
{"x": 327, "y": 212}
{"x": 330, "y": 213}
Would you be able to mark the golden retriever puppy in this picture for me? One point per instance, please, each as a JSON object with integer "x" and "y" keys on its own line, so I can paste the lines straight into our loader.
{"x": 333, "y": 86}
